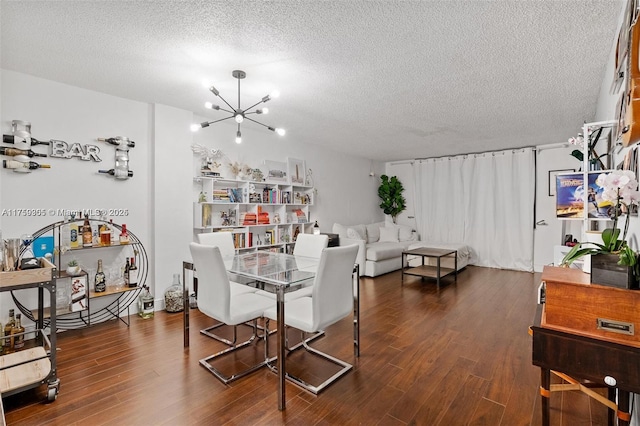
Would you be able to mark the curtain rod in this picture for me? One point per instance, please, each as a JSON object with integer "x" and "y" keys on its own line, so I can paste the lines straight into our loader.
{"x": 476, "y": 153}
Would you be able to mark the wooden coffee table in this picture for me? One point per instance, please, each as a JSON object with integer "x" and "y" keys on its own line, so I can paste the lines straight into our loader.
{"x": 428, "y": 271}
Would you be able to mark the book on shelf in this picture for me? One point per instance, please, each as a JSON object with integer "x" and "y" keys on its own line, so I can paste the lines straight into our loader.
{"x": 301, "y": 217}
{"x": 263, "y": 218}
{"x": 247, "y": 218}
{"x": 235, "y": 195}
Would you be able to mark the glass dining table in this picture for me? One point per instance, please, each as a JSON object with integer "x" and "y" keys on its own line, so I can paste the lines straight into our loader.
{"x": 277, "y": 273}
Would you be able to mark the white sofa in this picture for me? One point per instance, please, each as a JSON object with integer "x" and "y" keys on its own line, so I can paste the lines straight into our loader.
{"x": 381, "y": 245}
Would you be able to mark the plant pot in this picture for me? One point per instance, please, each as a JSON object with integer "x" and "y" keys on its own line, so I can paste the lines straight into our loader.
{"x": 74, "y": 271}
{"x": 606, "y": 271}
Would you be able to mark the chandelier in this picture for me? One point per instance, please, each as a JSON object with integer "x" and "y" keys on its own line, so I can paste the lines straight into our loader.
{"x": 239, "y": 114}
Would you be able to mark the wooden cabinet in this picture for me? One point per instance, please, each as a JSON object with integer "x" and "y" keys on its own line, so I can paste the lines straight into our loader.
{"x": 259, "y": 214}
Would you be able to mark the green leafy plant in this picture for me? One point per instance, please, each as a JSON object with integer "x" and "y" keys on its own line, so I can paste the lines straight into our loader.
{"x": 72, "y": 263}
{"x": 621, "y": 189}
{"x": 390, "y": 192}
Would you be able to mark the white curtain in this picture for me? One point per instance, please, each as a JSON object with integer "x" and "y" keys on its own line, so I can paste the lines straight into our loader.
{"x": 485, "y": 201}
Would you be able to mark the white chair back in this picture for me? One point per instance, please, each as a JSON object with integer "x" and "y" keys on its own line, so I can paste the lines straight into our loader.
{"x": 332, "y": 295}
{"x": 309, "y": 245}
{"x": 214, "y": 294}
{"x": 223, "y": 240}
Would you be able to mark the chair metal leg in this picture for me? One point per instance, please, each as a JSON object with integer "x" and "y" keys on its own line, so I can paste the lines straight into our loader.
{"x": 205, "y": 362}
{"x": 346, "y": 367}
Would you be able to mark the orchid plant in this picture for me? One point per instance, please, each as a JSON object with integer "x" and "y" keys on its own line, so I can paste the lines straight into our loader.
{"x": 620, "y": 187}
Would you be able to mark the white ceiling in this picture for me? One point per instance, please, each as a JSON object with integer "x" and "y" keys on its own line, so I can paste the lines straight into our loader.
{"x": 387, "y": 80}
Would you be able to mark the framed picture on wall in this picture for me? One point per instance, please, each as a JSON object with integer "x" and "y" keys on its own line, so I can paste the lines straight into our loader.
{"x": 296, "y": 171}
{"x": 552, "y": 179}
{"x": 276, "y": 171}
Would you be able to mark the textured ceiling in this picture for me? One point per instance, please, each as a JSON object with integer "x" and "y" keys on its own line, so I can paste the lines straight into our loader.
{"x": 385, "y": 80}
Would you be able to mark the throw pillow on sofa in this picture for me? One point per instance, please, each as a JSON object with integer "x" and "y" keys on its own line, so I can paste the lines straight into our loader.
{"x": 389, "y": 235}
{"x": 354, "y": 234}
{"x": 405, "y": 233}
{"x": 373, "y": 232}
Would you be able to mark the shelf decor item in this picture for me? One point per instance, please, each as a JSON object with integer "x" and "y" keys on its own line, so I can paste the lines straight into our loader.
{"x": 614, "y": 262}
{"x": 73, "y": 269}
{"x": 238, "y": 114}
{"x": 173, "y": 300}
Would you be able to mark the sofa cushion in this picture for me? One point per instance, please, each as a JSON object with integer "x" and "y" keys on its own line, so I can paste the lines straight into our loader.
{"x": 357, "y": 232}
{"x": 405, "y": 233}
{"x": 341, "y": 230}
{"x": 373, "y": 231}
{"x": 382, "y": 251}
{"x": 389, "y": 235}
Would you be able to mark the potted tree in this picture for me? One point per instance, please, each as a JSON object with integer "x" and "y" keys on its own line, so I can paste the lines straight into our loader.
{"x": 390, "y": 192}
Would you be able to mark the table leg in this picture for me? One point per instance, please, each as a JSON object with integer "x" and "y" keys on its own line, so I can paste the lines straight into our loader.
{"x": 611, "y": 414}
{"x": 545, "y": 393}
{"x": 437, "y": 272}
{"x": 356, "y": 312}
{"x": 404, "y": 258}
{"x": 281, "y": 347}
{"x": 455, "y": 264}
{"x": 623, "y": 408}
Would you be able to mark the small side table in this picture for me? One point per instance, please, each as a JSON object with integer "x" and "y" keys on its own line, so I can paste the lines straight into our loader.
{"x": 334, "y": 239}
{"x": 428, "y": 271}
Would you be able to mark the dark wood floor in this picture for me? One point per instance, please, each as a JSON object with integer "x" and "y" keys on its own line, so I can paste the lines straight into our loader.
{"x": 460, "y": 357}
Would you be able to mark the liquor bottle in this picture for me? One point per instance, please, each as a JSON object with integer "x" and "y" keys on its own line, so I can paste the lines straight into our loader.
{"x": 87, "y": 235}
{"x": 133, "y": 273}
{"x": 127, "y": 268}
{"x": 120, "y": 140}
{"x": 114, "y": 237}
{"x": 17, "y": 335}
{"x": 124, "y": 235}
{"x": 117, "y": 173}
{"x": 100, "y": 281}
{"x": 73, "y": 235}
{"x": 145, "y": 303}
{"x": 14, "y": 151}
{"x": 7, "y": 332}
{"x": 105, "y": 235}
{"x": 12, "y": 139}
{"x": 31, "y": 165}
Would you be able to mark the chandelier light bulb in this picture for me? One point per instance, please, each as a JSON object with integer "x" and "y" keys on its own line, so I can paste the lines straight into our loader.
{"x": 265, "y": 110}
{"x": 208, "y": 105}
{"x": 195, "y": 127}
{"x": 238, "y": 137}
{"x": 239, "y": 117}
{"x": 275, "y": 94}
{"x": 280, "y": 131}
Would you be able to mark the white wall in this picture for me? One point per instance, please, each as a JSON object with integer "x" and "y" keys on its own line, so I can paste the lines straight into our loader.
{"x": 159, "y": 197}
{"x": 74, "y": 115}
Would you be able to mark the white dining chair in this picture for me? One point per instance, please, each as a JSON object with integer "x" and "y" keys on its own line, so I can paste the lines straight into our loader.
{"x": 308, "y": 246}
{"x": 331, "y": 301}
{"x": 216, "y": 301}
{"x": 224, "y": 241}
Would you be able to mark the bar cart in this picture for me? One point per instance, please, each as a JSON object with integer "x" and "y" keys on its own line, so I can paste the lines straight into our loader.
{"x": 34, "y": 366}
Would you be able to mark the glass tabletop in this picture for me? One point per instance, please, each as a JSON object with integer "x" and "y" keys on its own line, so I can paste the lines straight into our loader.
{"x": 273, "y": 268}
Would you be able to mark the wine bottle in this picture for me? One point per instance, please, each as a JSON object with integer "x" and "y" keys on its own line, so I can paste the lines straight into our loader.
{"x": 14, "y": 151}
{"x": 17, "y": 335}
{"x": 119, "y": 174}
{"x": 119, "y": 141}
{"x": 127, "y": 276}
{"x": 7, "y": 332}
{"x": 73, "y": 235}
{"x": 31, "y": 165}
{"x": 87, "y": 235}
{"x": 133, "y": 273}
{"x": 145, "y": 303}
{"x": 124, "y": 235}
{"x": 12, "y": 139}
{"x": 100, "y": 281}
